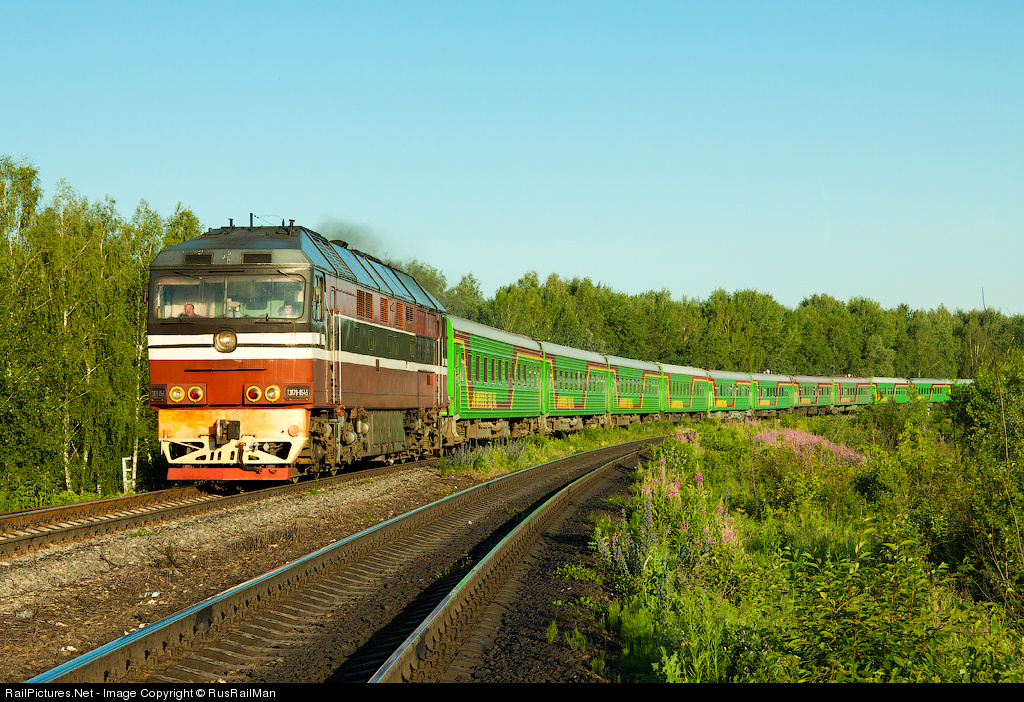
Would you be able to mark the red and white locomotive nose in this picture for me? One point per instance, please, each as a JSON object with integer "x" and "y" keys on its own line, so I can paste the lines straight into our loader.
{"x": 251, "y": 333}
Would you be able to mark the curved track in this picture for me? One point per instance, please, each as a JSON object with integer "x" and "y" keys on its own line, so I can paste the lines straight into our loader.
{"x": 337, "y": 614}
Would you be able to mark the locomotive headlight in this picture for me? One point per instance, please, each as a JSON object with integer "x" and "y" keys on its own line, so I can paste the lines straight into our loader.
{"x": 253, "y": 394}
{"x": 177, "y": 394}
{"x": 272, "y": 393}
{"x": 225, "y": 341}
{"x": 195, "y": 393}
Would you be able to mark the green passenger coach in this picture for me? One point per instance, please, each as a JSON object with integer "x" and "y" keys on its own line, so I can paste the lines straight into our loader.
{"x": 508, "y": 385}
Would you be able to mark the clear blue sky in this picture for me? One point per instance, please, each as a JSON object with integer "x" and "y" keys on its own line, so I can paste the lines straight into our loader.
{"x": 853, "y": 149}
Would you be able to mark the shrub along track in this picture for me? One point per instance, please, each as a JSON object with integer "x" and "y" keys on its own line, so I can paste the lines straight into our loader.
{"x": 337, "y": 614}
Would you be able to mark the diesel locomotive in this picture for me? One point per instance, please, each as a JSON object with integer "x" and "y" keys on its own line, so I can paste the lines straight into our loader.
{"x": 276, "y": 353}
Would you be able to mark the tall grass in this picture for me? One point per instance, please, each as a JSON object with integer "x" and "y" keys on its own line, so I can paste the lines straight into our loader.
{"x": 765, "y": 552}
{"x": 487, "y": 458}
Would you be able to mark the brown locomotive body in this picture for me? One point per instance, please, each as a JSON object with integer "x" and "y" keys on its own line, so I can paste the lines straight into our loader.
{"x": 275, "y": 353}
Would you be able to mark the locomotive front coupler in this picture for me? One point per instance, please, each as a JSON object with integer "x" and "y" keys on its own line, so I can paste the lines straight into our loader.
{"x": 226, "y": 430}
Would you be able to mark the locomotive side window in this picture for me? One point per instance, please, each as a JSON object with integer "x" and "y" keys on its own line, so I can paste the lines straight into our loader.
{"x": 289, "y": 308}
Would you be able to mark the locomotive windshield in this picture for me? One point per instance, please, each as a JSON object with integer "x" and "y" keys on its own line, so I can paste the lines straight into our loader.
{"x": 233, "y": 295}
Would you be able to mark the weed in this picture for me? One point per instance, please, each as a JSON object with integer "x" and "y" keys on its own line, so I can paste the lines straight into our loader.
{"x": 463, "y": 564}
{"x": 552, "y": 632}
{"x": 370, "y": 519}
{"x": 587, "y": 602}
{"x": 578, "y": 572}
{"x": 577, "y": 641}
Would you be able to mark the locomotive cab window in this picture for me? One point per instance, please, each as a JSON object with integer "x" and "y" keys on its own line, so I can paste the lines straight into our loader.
{"x": 200, "y": 295}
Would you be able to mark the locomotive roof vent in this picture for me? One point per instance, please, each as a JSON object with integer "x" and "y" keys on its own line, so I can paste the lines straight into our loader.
{"x": 339, "y": 242}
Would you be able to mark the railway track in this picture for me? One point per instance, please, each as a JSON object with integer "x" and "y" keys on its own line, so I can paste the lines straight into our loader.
{"x": 30, "y": 530}
{"x": 341, "y": 613}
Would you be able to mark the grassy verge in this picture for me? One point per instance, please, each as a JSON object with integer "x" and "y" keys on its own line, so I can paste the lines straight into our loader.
{"x": 765, "y": 552}
{"x": 505, "y": 456}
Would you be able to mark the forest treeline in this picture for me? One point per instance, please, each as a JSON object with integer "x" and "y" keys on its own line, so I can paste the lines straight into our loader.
{"x": 73, "y": 364}
{"x": 74, "y": 374}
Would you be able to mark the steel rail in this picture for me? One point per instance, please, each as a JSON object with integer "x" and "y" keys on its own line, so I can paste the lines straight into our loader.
{"x": 56, "y": 514}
